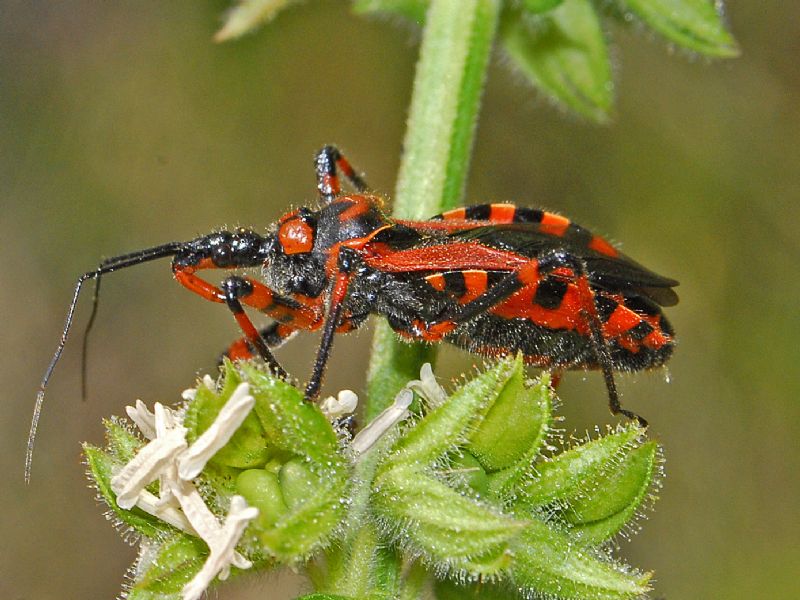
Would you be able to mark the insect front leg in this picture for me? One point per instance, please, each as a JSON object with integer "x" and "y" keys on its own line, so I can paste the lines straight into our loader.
{"x": 274, "y": 335}
{"x": 236, "y": 291}
{"x": 346, "y": 262}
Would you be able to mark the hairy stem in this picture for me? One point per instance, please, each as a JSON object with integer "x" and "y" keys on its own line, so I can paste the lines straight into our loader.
{"x": 446, "y": 97}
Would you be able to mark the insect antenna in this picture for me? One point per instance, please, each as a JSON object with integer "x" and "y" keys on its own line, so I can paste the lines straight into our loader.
{"x": 85, "y": 342}
{"x": 107, "y": 266}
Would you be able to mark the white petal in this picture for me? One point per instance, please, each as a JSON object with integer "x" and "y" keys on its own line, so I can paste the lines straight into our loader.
{"x": 427, "y": 386}
{"x": 398, "y": 411}
{"x": 151, "y": 505}
{"x": 195, "y": 509}
{"x": 222, "y": 549}
{"x": 143, "y": 419}
{"x": 236, "y": 409}
{"x": 148, "y": 463}
{"x": 345, "y": 403}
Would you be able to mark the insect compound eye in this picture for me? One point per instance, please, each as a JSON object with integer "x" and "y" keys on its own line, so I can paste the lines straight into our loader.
{"x": 296, "y": 236}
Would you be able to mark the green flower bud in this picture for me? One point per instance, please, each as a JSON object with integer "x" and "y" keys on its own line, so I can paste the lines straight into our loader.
{"x": 568, "y": 476}
{"x": 600, "y": 513}
{"x": 516, "y": 423}
{"x": 444, "y": 427}
{"x": 298, "y": 482}
{"x": 263, "y": 490}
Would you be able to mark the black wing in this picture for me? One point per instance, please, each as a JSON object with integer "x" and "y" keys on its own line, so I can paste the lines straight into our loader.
{"x": 615, "y": 274}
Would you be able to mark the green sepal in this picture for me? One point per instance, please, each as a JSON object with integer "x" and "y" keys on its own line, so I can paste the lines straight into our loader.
{"x": 564, "y": 53}
{"x": 517, "y": 422}
{"x": 465, "y": 471}
{"x": 101, "y": 467}
{"x": 410, "y": 9}
{"x": 550, "y": 563}
{"x": 572, "y": 475}
{"x": 292, "y": 425}
{"x": 447, "y": 425}
{"x": 692, "y": 24}
{"x": 121, "y": 443}
{"x": 163, "y": 577}
{"x": 248, "y": 447}
{"x": 441, "y": 523}
{"x": 539, "y": 6}
{"x": 449, "y": 590}
{"x": 602, "y": 513}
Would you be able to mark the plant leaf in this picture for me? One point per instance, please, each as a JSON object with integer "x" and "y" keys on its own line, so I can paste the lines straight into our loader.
{"x": 693, "y": 24}
{"x": 410, "y": 9}
{"x": 247, "y": 16}
{"x": 564, "y": 54}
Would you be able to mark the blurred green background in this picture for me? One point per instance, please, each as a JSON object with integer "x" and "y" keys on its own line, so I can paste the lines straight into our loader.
{"x": 123, "y": 126}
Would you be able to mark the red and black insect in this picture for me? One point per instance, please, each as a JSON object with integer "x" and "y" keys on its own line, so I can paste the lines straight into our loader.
{"x": 492, "y": 279}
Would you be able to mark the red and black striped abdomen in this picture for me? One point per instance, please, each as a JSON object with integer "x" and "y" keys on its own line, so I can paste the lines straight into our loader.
{"x": 541, "y": 221}
{"x": 544, "y": 320}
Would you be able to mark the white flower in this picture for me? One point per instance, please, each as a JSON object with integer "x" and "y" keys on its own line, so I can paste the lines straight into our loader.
{"x": 426, "y": 386}
{"x": 345, "y": 403}
{"x": 397, "y": 412}
{"x": 169, "y": 458}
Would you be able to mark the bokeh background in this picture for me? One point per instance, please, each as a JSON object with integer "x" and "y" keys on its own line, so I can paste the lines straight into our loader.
{"x": 123, "y": 126}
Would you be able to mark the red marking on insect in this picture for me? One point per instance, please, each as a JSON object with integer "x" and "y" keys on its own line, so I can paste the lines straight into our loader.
{"x": 493, "y": 279}
{"x": 296, "y": 236}
{"x": 555, "y": 224}
{"x": 600, "y": 245}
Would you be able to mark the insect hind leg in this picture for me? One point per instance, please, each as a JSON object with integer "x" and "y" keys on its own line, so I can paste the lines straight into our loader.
{"x": 557, "y": 263}
{"x": 327, "y": 163}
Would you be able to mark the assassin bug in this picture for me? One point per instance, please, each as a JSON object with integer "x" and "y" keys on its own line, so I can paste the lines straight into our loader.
{"x": 491, "y": 278}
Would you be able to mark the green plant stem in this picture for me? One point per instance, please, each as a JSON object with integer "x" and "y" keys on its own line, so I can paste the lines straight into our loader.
{"x": 450, "y": 75}
{"x": 357, "y": 565}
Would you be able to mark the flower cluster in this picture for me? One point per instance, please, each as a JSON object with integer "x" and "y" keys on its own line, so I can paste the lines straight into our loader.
{"x": 459, "y": 491}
